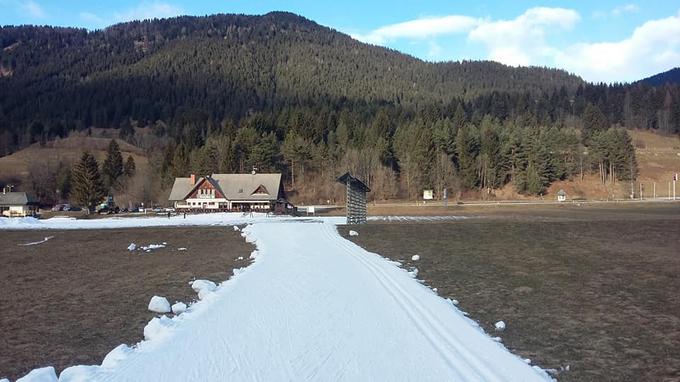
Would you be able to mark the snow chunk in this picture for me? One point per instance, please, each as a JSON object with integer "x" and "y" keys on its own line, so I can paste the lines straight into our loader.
{"x": 240, "y": 257}
{"x": 159, "y": 304}
{"x": 527, "y": 361}
{"x": 236, "y": 228}
{"x": 414, "y": 273}
{"x": 353, "y": 233}
{"x": 179, "y": 308}
{"x": 151, "y": 247}
{"x": 44, "y": 374}
{"x": 254, "y": 254}
{"x": 132, "y": 247}
{"x": 203, "y": 288}
{"x": 181, "y": 249}
{"x": 500, "y": 326}
{"x": 415, "y": 257}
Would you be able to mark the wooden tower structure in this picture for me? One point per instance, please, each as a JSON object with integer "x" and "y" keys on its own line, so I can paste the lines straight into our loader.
{"x": 356, "y": 198}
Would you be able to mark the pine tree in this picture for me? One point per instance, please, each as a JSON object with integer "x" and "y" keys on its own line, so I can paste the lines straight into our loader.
{"x": 130, "y": 167}
{"x": 112, "y": 168}
{"x": 87, "y": 188}
{"x": 467, "y": 148}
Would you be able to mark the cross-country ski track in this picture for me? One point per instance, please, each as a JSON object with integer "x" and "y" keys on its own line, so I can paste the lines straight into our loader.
{"x": 313, "y": 307}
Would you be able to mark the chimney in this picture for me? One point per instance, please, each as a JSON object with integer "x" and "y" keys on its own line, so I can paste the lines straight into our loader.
{"x": 193, "y": 179}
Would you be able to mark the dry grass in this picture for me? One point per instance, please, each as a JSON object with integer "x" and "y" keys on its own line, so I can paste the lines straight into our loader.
{"x": 595, "y": 288}
{"x": 74, "y": 298}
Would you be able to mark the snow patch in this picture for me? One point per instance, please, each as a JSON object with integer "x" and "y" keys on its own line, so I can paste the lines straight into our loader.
{"x": 415, "y": 257}
{"x": 181, "y": 249}
{"x": 38, "y": 242}
{"x": 414, "y": 273}
{"x": 159, "y": 304}
{"x": 132, "y": 247}
{"x": 179, "y": 308}
{"x": 236, "y": 228}
{"x": 500, "y": 326}
{"x": 353, "y": 233}
{"x": 44, "y": 374}
{"x": 151, "y": 247}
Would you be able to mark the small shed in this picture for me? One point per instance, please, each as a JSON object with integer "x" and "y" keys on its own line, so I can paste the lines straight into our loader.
{"x": 17, "y": 204}
{"x": 356, "y": 198}
{"x": 561, "y": 196}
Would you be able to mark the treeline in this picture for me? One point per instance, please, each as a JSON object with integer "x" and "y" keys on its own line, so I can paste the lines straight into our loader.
{"x": 399, "y": 155}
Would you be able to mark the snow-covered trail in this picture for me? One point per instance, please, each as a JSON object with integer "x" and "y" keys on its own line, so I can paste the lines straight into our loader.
{"x": 314, "y": 307}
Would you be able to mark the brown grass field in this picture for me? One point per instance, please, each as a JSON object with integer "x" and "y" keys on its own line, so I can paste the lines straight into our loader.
{"x": 74, "y": 298}
{"x": 595, "y": 288}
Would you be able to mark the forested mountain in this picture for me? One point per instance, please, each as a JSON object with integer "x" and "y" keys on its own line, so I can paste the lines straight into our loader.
{"x": 227, "y": 92}
{"x": 668, "y": 77}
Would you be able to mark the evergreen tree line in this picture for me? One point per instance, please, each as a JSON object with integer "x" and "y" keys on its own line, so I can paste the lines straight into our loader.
{"x": 400, "y": 155}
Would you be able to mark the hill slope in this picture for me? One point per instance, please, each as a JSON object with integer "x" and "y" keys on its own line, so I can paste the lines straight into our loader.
{"x": 224, "y": 66}
{"x": 669, "y": 77}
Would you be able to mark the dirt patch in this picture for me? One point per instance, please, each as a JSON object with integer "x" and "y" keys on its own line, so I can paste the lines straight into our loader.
{"x": 596, "y": 292}
{"x": 74, "y": 298}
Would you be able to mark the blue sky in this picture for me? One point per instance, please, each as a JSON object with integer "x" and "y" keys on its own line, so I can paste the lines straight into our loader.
{"x": 608, "y": 41}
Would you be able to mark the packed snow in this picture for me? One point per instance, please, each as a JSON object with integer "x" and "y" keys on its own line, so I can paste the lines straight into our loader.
{"x": 217, "y": 219}
{"x": 45, "y": 374}
{"x": 159, "y": 304}
{"x": 312, "y": 306}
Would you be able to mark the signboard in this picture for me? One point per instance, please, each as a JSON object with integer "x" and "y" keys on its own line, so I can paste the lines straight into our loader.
{"x": 428, "y": 194}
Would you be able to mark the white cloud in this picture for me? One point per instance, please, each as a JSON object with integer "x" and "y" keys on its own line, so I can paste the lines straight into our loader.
{"x": 419, "y": 29}
{"x": 148, "y": 10}
{"x": 652, "y": 47}
{"x": 521, "y": 41}
{"x": 32, "y": 9}
{"x": 627, "y": 8}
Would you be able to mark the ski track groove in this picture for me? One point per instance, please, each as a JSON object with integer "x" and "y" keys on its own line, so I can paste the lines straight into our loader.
{"x": 413, "y": 309}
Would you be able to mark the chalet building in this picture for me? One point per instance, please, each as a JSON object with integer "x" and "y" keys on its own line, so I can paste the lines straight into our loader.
{"x": 17, "y": 204}
{"x": 230, "y": 192}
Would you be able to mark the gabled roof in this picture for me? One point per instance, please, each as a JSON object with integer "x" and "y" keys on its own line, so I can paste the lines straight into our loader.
{"x": 561, "y": 193}
{"x": 243, "y": 186}
{"x": 16, "y": 199}
{"x": 180, "y": 189}
{"x": 232, "y": 186}
{"x": 348, "y": 179}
